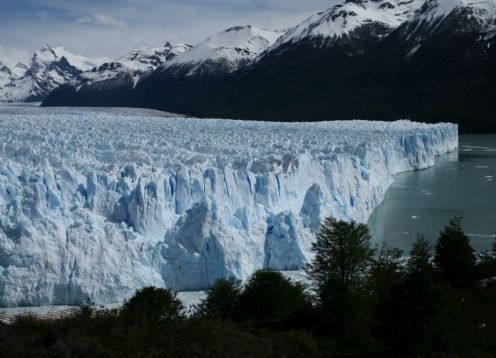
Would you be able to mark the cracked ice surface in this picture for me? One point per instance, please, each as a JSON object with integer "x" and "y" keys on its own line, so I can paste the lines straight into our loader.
{"x": 97, "y": 203}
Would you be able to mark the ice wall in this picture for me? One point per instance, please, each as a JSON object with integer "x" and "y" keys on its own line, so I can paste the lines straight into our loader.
{"x": 96, "y": 204}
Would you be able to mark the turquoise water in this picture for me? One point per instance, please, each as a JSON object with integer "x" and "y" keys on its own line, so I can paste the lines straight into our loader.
{"x": 462, "y": 184}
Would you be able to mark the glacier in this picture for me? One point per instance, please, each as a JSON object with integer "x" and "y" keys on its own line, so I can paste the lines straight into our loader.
{"x": 95, "y": 203}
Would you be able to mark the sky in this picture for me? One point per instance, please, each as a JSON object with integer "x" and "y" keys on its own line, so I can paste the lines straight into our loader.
{"x": 110, "y": 28}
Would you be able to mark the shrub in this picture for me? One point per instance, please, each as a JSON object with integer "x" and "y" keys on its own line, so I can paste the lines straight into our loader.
{"x": 154, "y": 305}
{"x": 454, "y": 257}
{"x": 221, "y": 301}
{"x": 268, "y": 295}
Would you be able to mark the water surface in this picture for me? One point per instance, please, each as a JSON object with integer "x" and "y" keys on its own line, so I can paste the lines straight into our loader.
{"x": 462, "y": 184}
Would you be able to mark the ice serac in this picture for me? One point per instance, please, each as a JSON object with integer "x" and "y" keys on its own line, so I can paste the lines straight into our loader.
{"x": 96, "y": 204}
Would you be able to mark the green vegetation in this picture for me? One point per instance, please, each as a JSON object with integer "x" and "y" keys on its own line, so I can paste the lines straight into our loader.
{"x": 153, "y": 306}
{"x": 438, "y": 301}
{"x": 222, "y": 301}
{"x": 340, "y": 275}
{"x": 455, "y": 258}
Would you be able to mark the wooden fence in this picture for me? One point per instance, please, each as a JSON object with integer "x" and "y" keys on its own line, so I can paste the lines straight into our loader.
{"x": 55, "y": 316}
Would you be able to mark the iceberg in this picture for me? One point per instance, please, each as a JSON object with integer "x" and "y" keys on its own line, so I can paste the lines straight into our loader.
{"x": 97, "y": 203}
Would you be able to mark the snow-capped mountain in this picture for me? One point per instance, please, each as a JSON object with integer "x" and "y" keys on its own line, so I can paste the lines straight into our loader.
{"x": 224, "y": 52}
{"x": 19, "y": 69}
{"x": 453, "y": 17}
{"x": 433, "y": 12}
{"x": 5, "y": 75}
{"x": 373, "y": 59}
{"x": 147, "y": 59}
{"x": 49, "y": 68}
{"x": 132, "y": 65}
{"x": 112, "y": 84}
{"x": 352, "y": 18}
{"x": 45, "y": 57}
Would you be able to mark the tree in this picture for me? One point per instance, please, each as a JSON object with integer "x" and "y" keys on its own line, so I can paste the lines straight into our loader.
{"x": 419, "y": 267}
{"x": 418, "y": 315}
{"x": 268, "y": 295}
{"x": 454, "y": 257}
{"x": 222, "y": 300}
{"x": 153, "y": 305}
{"x": 340, "y": 271}
{"x": 486, "y": 264}
{"x": 387, "y": 269}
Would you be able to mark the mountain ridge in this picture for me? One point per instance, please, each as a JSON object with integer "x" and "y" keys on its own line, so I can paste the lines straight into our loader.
{"x": 49, "y": 68}
{"x": 368, "y": 59}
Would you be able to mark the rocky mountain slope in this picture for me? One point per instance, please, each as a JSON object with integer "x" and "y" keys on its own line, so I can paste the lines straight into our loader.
{"x": 219, "y": 55}
{"x": 5, "y": 75}
{"x": 224, "y": 52}
{"x": 348, "y": 21}
{"x": 133, "y": 64}
{"x": 49, "y": 68}
{"x": 113, "y": 83}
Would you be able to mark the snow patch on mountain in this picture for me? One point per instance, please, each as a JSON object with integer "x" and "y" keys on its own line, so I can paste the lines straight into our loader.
{"x": 433, "y": 9}
{"x": 347, "y": 16}
{"x": 95, "y": 204}
{"x": 147, "y": 59}
{"x": 450, "y": 17}
{"x": 135, "y": 63}
{"x": 49, "y": 68}
{"x": 19, "y": 69}
{"x": 226, "y": 51}
{"x": 434, "y": 12}
{"x": 5, "y": 75}
{"x": 47, "y": 55}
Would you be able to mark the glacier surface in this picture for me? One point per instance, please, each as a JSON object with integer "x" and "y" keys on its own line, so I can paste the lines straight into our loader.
{"x": 96, "y": 203}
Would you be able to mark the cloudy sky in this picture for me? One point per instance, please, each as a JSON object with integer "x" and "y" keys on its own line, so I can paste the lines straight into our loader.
{"x": 109, "y": 28}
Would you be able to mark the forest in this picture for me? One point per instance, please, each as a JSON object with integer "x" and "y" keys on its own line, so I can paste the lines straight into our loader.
{"x": 438, "y": 300}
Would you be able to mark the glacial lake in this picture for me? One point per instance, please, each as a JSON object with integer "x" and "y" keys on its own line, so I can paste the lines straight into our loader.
{"x": 461, "y": 183}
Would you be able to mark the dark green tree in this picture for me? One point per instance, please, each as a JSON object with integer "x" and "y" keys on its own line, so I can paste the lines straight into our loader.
{"x": 222, "y": 300}
{"x": 418, "y": 315}
{"x": 268, "y": 295}
{"x": 419, "y": 267}
{"x": 486, "y": 264}
{"x": 340, "y": 272}
{"x": 454, "y": 257}
{"x": 153, "y": 305}
{"x": 387, "y": 269}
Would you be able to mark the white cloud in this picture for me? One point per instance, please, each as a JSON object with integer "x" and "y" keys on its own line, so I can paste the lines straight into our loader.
{"x": 111, "y": 28}
{"x": 103, "y": 20}
{"x": 11, "y": 56}
{"x": 43, "y": 15}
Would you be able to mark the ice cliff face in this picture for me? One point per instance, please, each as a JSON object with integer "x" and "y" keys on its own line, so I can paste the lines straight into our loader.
{"x": 98, "y": 203}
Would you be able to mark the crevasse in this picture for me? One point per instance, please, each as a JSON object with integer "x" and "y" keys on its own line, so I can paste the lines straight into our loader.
{"x": 97, "y": 203}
